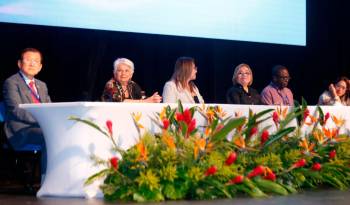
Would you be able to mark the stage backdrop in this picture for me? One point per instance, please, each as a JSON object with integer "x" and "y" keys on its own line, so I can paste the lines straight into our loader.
{"x": 78, "y": 62}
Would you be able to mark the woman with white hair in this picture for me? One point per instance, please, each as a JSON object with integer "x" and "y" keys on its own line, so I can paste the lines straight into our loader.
{"x": 121, "y": 88}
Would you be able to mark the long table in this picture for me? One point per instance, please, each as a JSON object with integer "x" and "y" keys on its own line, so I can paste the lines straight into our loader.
{"x": 70, "y": 144}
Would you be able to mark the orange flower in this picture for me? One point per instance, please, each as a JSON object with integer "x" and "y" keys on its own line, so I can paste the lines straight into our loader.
{"x": 308, "y": 148}
{"x": 319, "y": 137}
{"x": 312, "y": 120}
{"x": 338, "y": 121}
{"x": 142, "y": 149}
{"x": 168, "y": 140}
{"x": 199, "y": 145}
{"x": 239, "y": 142}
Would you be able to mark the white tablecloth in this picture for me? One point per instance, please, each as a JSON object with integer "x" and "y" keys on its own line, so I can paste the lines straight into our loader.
{"x": 70, "y": 144}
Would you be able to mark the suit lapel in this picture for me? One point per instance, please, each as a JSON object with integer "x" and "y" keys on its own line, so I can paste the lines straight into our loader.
{"x": 23, "y": 89}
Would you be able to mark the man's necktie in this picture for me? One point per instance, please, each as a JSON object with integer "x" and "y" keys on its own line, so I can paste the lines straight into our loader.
{"x": 33, "y": 92}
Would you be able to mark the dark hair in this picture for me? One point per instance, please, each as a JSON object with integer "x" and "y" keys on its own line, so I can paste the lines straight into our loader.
{"x": 346, "y": 96}
{"x": 277, "y": 68}
{"x": 31, "y": 50}
{"x": 183, "y": 71}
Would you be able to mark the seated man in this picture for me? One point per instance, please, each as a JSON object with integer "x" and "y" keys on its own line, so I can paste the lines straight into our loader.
{"x": 277, "y": 93}
{"x": 20, "y": 127}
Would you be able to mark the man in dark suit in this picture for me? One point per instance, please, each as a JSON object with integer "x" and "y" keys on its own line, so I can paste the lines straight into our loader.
{"x": 20, "y": 127}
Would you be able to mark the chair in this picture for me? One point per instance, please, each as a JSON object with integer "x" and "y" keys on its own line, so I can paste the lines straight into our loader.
{"x": 20, "y": 165}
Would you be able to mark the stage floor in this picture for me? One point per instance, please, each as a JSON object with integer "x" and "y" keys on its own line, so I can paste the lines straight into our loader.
{"x": 323, "y": 197}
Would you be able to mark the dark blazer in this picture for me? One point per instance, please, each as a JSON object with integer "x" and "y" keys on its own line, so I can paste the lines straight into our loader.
{"x": 19, "y": 123}
{"x": 237, "y": 95}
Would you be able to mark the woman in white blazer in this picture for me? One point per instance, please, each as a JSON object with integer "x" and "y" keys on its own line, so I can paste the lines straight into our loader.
{"x": 181, "y": 86}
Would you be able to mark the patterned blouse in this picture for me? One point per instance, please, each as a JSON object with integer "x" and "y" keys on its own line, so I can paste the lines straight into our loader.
{"x": 113, "y": 91}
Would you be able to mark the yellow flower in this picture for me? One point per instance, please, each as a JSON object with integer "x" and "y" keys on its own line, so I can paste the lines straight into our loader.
{"x": 148, "y": 179}
{"x": 136, "y": 117}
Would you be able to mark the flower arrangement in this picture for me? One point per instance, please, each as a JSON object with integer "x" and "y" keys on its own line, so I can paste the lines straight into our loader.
{"x": 227, "y": 157}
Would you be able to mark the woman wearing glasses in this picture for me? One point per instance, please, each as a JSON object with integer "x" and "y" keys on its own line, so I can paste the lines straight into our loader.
{"x": 337, "y": 93}
{"x": 241, "y": 92}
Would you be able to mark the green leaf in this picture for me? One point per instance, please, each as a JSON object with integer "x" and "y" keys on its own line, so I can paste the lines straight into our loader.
{"x": 278, "y": 136}
{"x": 230, "y": 125}
{"x": 88, "y": 123}
{"x": 270, "y": 186}
{"x": 96, "y": 176}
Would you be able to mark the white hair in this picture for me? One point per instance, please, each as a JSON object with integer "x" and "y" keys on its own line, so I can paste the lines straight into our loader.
{"x": 124, "y": 61}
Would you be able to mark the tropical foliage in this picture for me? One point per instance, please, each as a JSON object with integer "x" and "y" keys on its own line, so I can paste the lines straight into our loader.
{"x": 230, "y": 155}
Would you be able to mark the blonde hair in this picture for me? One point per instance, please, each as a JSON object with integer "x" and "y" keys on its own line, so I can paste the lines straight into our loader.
{"x": 235, "y": 73}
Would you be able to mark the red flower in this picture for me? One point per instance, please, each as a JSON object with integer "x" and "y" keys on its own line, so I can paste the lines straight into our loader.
{"x": 316, "y": 166}
{"x": 306, "y": 113}
{"x": 114, "y": 162}
{"x": 187, "y": 116}
{"x": 237, "y": 180}
{"x": 231, "y": 158}
{"x": 109, "y": 127}
{"x": 211, "y": 170}
{"x": 264, "y": 136}
{"x": 326, "y": 117}
{"x": 166, "y": 123}
{"x": 253, "y": 131}
{"x": 332, "y": 154}
{"x": 275, "y": 117}
{"x": 191, "y": 126}
{"x": 256, "y": 171}
{"x": 270, "y": 176}
{"x": 300, "y": 163}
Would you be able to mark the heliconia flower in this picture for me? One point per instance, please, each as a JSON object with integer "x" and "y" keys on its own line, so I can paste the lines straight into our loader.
{"x": 237, "y": 180}
{"x": 219, "y": 127}
{"x": 187, "y": 116}
{"x": 270, "y": 176}
{"x": 306, "y": 113}
{"x": 109, "y": 125}
{"x": 211, "y": 170}
{"x": 264, "y": 136}
{"x": 166, "y": 123}
{"x": 300, "y": 163}
{"x": 191, "y": 126}
{"x": 231, "y": 158}
{"x": 326, "y": 117}
{"x": 332, "y": 154}
{"x": 316, "y": 166}
{"x": 259, "y": 170}
{"x": 253, "y": 131}
{"x": 114, "y": 162}
{"x": 275, "y": 117}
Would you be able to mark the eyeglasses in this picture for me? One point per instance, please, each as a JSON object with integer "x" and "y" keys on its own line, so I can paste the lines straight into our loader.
{"x": 31, "y": 61}
{"x": 247, "y": 73}
{"x": 284, "y": 77}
